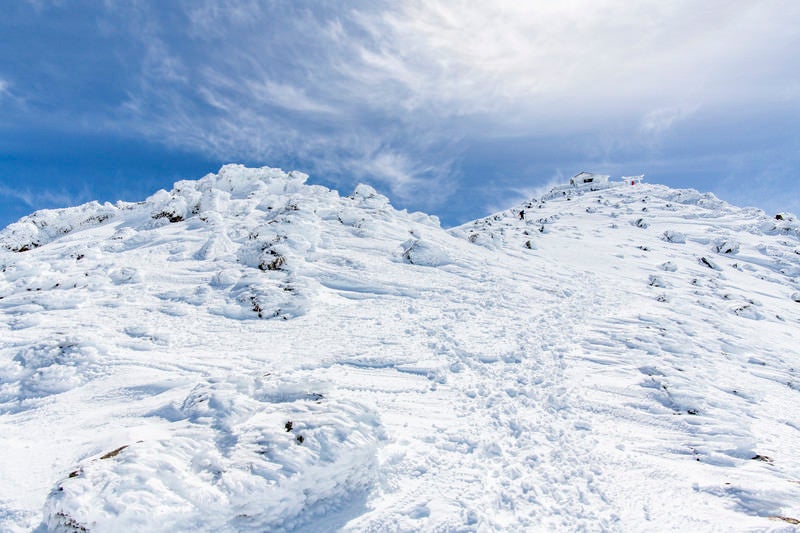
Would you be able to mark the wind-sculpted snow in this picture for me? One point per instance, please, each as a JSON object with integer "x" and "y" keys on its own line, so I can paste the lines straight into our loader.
{"x": 248, "y": 352}
{"x": 259, "y": 226}
{"x": 422, "y": 252}
{"x": 244, "y": 454}
{"x": 47, "y": 225}
{"x": 46, "y": 368}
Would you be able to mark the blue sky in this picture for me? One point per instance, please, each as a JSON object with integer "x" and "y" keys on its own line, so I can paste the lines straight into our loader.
{"x": 456, "y": 108}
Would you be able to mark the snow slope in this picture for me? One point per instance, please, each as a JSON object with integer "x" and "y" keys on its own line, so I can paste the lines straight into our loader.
{"x": 250, "y": 353}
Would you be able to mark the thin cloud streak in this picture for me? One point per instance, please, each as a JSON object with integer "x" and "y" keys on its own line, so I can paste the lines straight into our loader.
{"x": 33, "y": 198}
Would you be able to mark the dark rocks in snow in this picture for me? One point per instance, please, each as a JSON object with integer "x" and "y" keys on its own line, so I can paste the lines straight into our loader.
{"x": 256, "y": 306}
{"x": 786, "y": 519}
{"x": 640, "y": 223}
{"x": 274, "y": 261}
{"x": 710, "y": 264}
{"x": 113, "y": 453}
{"x": 25, "y": 247}
{"x": 171, "y": 216}
{"x": 64, "y": 522}
{"x": 726, "y": 246}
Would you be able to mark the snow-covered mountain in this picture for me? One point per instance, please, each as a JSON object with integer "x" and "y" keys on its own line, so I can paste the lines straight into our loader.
{"x": 250, "y": 353}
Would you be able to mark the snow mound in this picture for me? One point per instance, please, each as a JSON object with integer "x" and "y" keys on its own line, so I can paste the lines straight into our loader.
{"x": 262, "y": 295}
{"x": 782, "y": 224}
{"x": 367, "y": 196}
{"x": 674, "y": 236}
{"x": 245, "y": 454}
{"x": 425, "y": 253}
{"x": 692, "y": 197}
{"x": 241, "y": 181}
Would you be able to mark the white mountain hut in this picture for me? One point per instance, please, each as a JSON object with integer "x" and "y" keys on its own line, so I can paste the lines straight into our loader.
{"x": 586, "y": 178}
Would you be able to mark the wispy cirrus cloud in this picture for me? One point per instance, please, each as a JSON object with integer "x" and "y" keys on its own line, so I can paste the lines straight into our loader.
{"x": 569, "y": 57}
{"x": 660, "y": 120}
{"x": 33, "y": 197}
{"x": 403, "y": 93}
{"x": 504, "y": 66}
{"x": 288, "y": 97}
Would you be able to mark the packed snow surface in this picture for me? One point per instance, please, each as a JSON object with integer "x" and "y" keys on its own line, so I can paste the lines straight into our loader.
{"x": 248, "y": 352}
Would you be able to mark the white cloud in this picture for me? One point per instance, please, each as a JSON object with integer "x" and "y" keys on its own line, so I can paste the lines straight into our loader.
{"x": 287, "y": 97}
{"x": 373, "y": 88}
{"x": 406, "y": 178}
{"x": 42, "y": 198}
{"x": 658, "y": 122}
{"x": 577, "y": 60}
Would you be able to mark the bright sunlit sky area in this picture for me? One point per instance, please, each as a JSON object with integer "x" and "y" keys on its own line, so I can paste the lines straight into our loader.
{"x": 456, "y": 108}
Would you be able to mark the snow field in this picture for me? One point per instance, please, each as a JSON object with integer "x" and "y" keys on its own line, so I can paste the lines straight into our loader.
{"x": 621, "y": 359}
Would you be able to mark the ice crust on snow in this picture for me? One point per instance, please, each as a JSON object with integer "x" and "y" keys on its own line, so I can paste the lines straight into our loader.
{"x": 247, "y": 352}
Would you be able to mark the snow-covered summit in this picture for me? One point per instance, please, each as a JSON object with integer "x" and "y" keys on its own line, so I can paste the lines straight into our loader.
{"x": 247, "y": 352}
